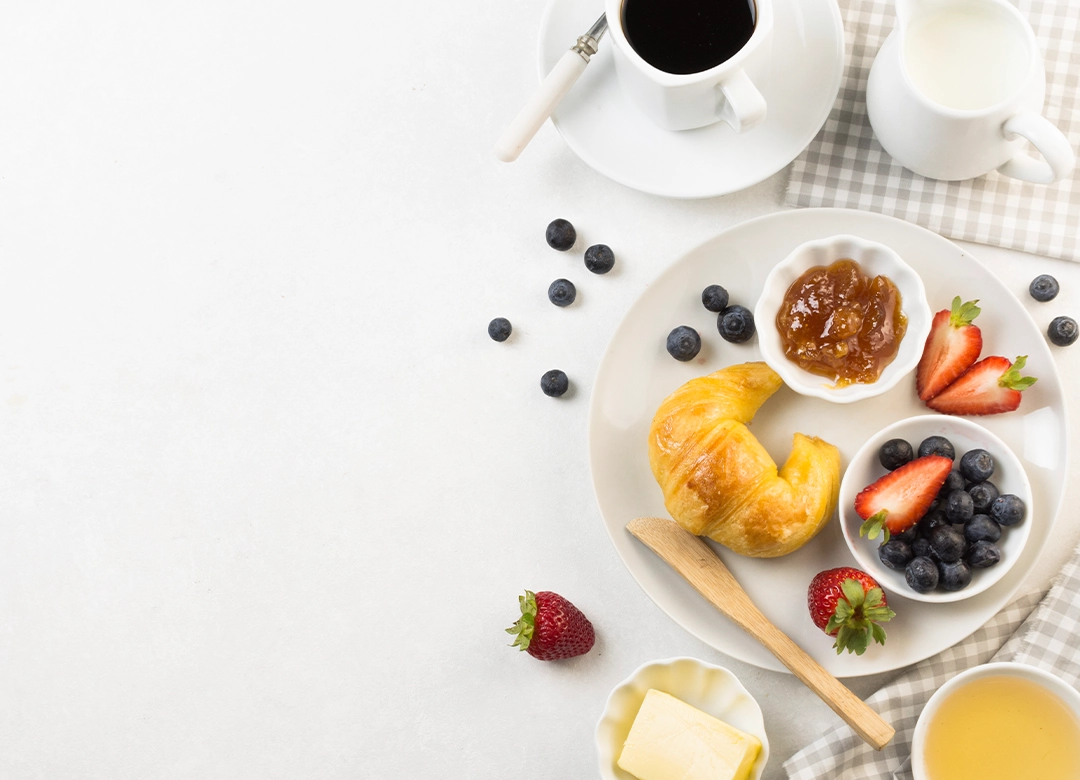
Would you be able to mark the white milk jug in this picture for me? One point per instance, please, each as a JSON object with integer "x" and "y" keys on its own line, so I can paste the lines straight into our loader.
{"x": 956, "y": 88}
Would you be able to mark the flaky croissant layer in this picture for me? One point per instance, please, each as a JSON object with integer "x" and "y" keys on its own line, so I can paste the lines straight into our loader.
{"x": 718, "y": 481}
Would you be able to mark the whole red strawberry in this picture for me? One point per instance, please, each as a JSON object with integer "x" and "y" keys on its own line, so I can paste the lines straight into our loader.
{"x": 551, "y": 628}
{"x": 849, "y": 604}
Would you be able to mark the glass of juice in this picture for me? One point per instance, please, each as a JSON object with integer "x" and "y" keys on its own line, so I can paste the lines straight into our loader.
{"x": 1000, "y": 721}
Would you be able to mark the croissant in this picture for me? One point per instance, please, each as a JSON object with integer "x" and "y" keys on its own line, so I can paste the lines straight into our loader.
{"x": 718, "y": 481}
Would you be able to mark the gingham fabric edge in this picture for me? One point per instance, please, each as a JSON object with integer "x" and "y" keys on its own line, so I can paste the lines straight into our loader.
{"x": 845, "y": 167}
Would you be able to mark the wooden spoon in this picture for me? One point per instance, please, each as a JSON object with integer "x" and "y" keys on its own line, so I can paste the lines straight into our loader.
{"x": 701, "y": 567}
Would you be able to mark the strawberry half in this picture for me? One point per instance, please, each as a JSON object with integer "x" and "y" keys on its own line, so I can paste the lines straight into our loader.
{"x": 900, "y": 498}
{"x": 849, "y": 604}
{"x": 951, "y": 348}
{"x": 551, "y": 628}
{"x": 991, "y": 386}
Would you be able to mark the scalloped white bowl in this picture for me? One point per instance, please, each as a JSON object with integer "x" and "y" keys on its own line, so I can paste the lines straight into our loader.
{"x": 874, "y": 259}
{"x": 865, "y": 468}
{"x": 712, "y": 689}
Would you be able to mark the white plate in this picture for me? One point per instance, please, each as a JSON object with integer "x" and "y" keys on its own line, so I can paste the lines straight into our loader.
{"x": 712, "y": 689}
{"x": 636, "y": 374}
{"x": 800, "y": 82}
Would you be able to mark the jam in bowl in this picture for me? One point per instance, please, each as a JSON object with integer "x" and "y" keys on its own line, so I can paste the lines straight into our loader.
{"x": 842, "y": 319}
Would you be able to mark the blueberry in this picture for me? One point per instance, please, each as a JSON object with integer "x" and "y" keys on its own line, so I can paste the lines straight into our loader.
{"x": 955, "y": 481}
{"x": 983, "y": 555}
{"x": 736, "y": 324}
{"x": 1008, "y": 509}
{"x": 959, "y": 507}
{"x": 683, "y": 343}
{"x": 1062, "y": 331}
{"x": 599, "y": 258}
{"x": 895, "y": 453}
{"x": 714, "y": 298}
{"x": 955, "y": 576}
{"x": 920, "y": 548}
{"x": 932, "y": 520}
{"x": 1044, "y": 288}
{"x": 921, "y": 574}
{"x": 977, "y": 465}
{"x": 935, "y": 504}
{"x": 908, "y": 534}
{"x": 982, "y": 495}
{"x": 895, "y": 554}
{"x": 554, "y": 383}
{"x": 937, "y": 445}
{"x": 982, "y": 528}
{"x": 499, "y": 329}
{"x": 562, "y": 292}
{"x": 560, "y": 235}
{"x": 947, "y": 544}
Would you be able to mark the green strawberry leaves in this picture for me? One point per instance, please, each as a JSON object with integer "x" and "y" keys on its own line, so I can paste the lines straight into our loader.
{"x": 1012, "y": 380}
{"x": 875, "y": 526}
{"x": 858, "y": 616}
{"x": 523, "y": 629}
{"x": 961, "y": 314}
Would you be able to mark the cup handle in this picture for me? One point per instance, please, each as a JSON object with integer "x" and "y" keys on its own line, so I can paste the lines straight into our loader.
{"x": 1058, "y": 161}
{"x": 742, "y": 104}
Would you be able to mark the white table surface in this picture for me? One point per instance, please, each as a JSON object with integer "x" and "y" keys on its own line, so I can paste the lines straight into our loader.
{"x": 268, "y": 492}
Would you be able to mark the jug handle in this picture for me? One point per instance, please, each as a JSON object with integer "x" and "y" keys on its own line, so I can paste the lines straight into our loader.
{"x": 1058, "y": 161}
{"x": 743, "y": 106}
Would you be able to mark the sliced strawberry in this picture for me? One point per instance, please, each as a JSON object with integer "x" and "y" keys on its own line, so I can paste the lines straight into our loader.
{"x": 991, "y": 386}
{"x": 899, "y": 499}
{"x": 951, "y": 348}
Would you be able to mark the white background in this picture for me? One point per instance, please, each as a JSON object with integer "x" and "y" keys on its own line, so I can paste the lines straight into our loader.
{"x": 268, "y": 492}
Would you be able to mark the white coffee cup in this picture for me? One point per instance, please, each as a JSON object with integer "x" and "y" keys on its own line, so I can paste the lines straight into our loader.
{"x": 685, "y": 101}
{"x": 962, "y": 141}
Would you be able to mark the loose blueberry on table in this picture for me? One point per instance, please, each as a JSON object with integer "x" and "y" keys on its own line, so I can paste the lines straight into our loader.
{"x": 683, "y": 343}
{"x": 554, "y": 383}
{"x": 560, "y": 235}
{"x": 599, "y": 258}
{"x": 714, "y": 298}
{"x": 562, "y": 292}
{"x": 499, "y": 329}
{"x": 1044, "y": 288}
{"x": 1063, "y": 331}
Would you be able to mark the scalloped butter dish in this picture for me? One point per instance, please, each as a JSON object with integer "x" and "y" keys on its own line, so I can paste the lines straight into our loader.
{"x": 712, "y": 690}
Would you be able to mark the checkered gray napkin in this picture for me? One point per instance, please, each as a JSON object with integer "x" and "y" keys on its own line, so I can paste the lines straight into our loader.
{"x": 845, "y": 165}
{"x": 1044, "y": 637}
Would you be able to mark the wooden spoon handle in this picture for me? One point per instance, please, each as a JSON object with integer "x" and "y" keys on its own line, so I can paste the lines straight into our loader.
{"x": 702, "y": 568}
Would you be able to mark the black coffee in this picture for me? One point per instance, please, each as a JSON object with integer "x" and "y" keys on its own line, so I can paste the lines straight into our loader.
{"x": 687, "y": 36}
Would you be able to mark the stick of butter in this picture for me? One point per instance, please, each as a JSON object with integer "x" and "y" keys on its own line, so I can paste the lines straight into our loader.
{"x": 670, "y": 740}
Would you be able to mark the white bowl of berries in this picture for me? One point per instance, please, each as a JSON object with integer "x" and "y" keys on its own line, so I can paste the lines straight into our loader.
{"x": 936, "y": 508}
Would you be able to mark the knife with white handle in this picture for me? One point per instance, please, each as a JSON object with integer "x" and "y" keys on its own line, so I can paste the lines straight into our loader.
{"x": 556, "y": 84}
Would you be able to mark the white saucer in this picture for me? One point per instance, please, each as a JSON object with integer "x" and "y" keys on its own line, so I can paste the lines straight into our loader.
{"x": 800, "y": 83}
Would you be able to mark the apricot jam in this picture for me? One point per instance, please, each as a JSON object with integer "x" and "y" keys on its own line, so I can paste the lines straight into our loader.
{"x": 839, "y": 323}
